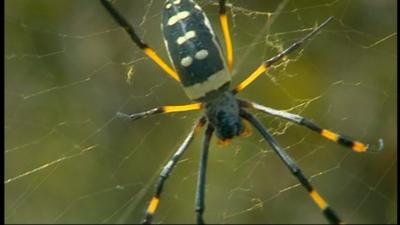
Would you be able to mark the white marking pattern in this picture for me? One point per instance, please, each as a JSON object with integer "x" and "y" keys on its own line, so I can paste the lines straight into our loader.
{"x": 186, "y": 61}
{"x": 213, "y": 82}
{"x": 187, "y": 36}
{"x": 202, "y": 54}
{"x": 180, "y": 16}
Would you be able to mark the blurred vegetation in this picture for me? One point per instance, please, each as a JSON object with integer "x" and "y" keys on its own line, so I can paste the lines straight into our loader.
{"x": 71, "y": 160}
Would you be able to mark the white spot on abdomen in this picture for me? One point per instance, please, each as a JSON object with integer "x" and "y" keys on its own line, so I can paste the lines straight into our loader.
{"x": 186, "y": 61}
{"x": 180, "y": 16}
{"x": 202, "y": 54}
{"x": 176, "y": 2}
{"x": 168, "y": 6}
{"x": 187, "y": 36}
{"x": 198, "y": 7}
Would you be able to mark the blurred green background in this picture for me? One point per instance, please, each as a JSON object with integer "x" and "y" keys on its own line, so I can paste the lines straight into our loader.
{"x": 69, "y": 159}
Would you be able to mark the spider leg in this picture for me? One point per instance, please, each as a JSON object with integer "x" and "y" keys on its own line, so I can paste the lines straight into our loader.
{"x": 201, "y": 179}
{"x": 227, "y": 35}
{"x": 135, "y": 38}
{"x": 335, "y": 137}
{"x": 265, "y": 65}
{"x": 161, "y": 110}
{"x": 166, "y": 171}
{"x": 328, "y": 212}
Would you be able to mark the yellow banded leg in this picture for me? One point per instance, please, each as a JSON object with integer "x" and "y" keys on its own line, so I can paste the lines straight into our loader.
{"x": 161, "y": 110}
{"x": 153, "y": 205}
{"x": 329, "y": 214}
{"x": 181, "y": 108}
{"x": 253, "y": 76}
{"x": 108, "y": 5}
{"x": 227, "y": 35}
{"x": 153, "y": 55}
{"x": 167, "y": 169}
{"x": 265, "y": 65}
{"x": 342, "y": 140}
{"x": 335, "y": 137}
{"x": 318, "y": 200}
{"x": 327, "y": 211}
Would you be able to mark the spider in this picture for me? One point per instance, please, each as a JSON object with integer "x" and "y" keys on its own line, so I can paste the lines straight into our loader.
{"x": 203, "y": 72}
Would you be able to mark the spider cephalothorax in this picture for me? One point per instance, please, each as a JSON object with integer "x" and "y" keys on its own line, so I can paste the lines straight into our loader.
{"x": 223, "y": 114}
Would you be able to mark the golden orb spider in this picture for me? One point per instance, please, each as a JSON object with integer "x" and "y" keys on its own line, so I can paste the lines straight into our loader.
{"x": 203, "y": 72}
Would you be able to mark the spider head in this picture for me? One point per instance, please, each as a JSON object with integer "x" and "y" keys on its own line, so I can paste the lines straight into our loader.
{"x": 223, "y": 114}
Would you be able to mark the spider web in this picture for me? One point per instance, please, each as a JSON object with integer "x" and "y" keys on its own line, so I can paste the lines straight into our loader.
{"x": 69, "y": 159}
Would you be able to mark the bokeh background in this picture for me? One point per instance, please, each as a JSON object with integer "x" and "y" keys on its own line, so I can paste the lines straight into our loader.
{"x": 69, "y": 159}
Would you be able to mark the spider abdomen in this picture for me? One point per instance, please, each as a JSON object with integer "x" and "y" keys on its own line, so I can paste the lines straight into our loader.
{"x": 194, "y": 50}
